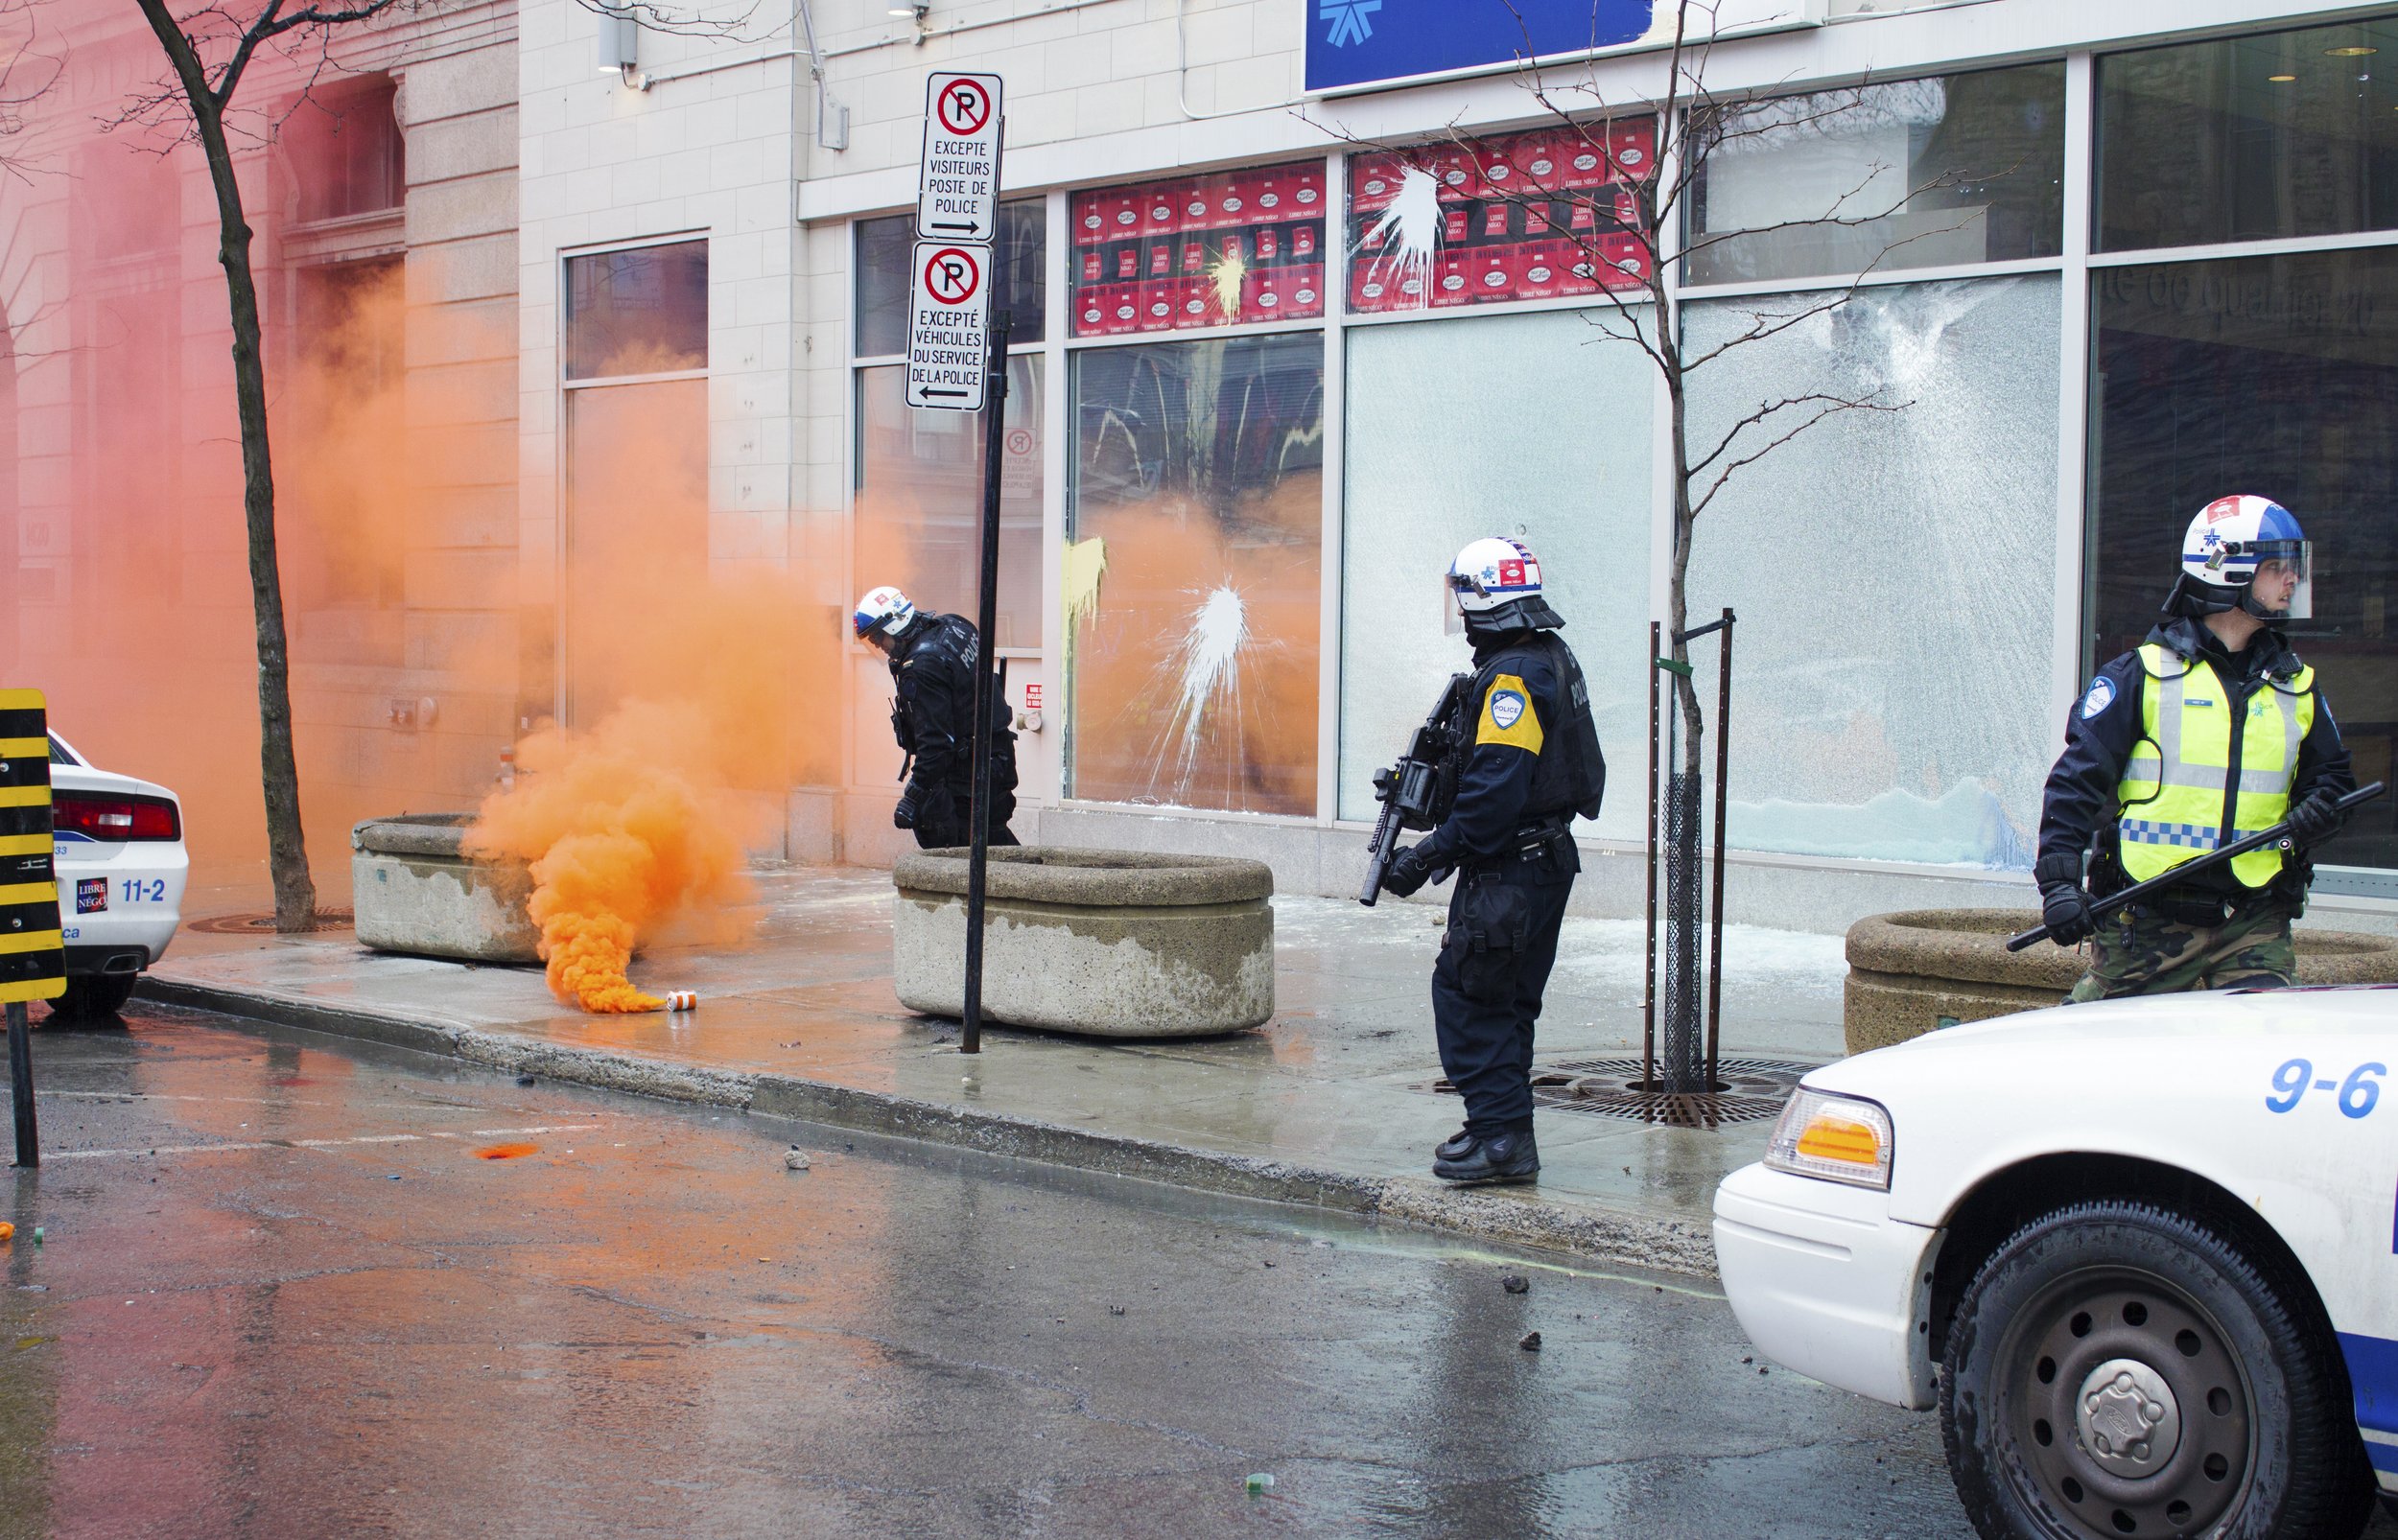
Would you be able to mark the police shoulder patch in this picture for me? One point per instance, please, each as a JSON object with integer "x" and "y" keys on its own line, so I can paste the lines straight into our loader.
{"x": 1507, "y": 716}
{"x": 2102, "y": 695}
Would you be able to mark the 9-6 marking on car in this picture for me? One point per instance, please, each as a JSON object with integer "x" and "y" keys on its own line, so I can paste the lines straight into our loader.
{"x": 2359, "y": 1094}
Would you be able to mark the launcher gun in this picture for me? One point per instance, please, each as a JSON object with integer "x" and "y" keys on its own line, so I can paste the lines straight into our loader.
{"x": 1415, "y": 792}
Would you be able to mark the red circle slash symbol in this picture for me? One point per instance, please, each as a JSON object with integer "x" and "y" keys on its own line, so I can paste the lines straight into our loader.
{"x": 953, "y": 275}
{"x": 964, "y": 108}
{"x": 1020, "y": 441}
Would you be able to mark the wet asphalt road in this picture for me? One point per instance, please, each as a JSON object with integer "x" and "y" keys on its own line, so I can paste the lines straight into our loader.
{"x": 313, "y": 1311}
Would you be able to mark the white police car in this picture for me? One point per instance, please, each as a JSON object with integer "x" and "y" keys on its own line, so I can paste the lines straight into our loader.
{"x": 2150, "y": 1247}
{"x": 121, "y": 866}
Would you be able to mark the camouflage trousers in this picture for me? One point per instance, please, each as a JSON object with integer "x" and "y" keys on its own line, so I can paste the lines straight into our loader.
{"x": 2140, "y": 951}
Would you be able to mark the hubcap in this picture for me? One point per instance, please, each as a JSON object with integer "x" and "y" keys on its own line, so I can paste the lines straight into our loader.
{"x": 2127, "y": 1417}
{"x": 2126, "y": 1410}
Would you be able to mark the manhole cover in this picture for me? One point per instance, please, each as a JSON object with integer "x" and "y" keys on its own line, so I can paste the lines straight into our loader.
{"x": 263, "y": 924}
{"x": 1747, "y": 1090}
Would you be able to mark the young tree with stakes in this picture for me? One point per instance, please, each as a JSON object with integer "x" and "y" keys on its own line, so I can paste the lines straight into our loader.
{"x": 1693, "y": 124}
{"x": 211, "y": 49}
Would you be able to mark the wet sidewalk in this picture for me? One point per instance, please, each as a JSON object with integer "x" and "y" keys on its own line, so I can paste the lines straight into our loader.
{"x": 1333, "y": 1102}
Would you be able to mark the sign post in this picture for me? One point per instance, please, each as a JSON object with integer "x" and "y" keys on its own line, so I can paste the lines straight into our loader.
{"x": 33, "y": 949}
{"x": 957, "y": 361}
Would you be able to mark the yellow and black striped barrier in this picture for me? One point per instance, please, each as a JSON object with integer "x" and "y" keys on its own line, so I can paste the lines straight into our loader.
{"x": 33, "y": 949}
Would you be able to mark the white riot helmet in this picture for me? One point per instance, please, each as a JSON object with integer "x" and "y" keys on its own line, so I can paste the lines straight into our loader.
{"x": 1494, "y": 585}
{"x": 2222, "y": 550}
{"x": 884, "y": 610}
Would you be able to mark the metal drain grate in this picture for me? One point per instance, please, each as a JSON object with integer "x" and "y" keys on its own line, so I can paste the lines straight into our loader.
{"x": 263, "y": 924}
{"x": 1747, "y": 1090}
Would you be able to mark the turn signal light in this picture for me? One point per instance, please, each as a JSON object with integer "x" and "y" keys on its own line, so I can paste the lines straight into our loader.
{"x": 1836, "y": 1138}
{"x": 115, "y": 818}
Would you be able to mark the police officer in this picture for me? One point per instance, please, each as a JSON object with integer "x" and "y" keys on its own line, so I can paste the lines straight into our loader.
{"x": 1527, "y": 761}
{"x": 2211, "y": 729}
{"x": 933, "y": 663}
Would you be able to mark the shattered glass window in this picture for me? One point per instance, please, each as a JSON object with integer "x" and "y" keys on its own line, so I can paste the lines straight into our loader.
{"x": 1193, "y": 573}
{"x": 1905, "y": 174}
{"x": 1533, "y": 425}
{"x": 1894, "y": 568}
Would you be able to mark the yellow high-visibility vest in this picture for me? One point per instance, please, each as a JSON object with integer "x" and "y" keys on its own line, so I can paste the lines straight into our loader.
{"x": 2174, "y": 789}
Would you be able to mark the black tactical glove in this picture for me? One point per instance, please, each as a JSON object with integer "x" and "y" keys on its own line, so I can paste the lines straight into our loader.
{"x": 2318, "y": 818}
{"x": 1409, "y": 870}
{"x": 2065, "y": 908}
{"x": 911, "y": 804}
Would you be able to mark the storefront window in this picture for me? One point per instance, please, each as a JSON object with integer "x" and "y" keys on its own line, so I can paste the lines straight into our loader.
{"x": 1545, "y": 215}
{"x": 640, "y": 310}
{"x": 2276, "y": 375}
{"x": 1193, "y": 563}
{"x": 1532, "y": 425}
{"x": 636, "y": 528}
{"x": 919, "y": 508}
{"x": 883, "y": 277}
{"x": 1912, "y": 174}
{"x": 1214, "y": 250}
{"x": 2250, "y": 138}
{"x": 1893, "y": 572}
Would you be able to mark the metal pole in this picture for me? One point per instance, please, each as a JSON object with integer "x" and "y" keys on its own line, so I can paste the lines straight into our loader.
{"x": 987, "y": 623}
{"x": 22, "y": 1085}
{"x": 1722, "y": 766}
{"x": 1648, "y": 993}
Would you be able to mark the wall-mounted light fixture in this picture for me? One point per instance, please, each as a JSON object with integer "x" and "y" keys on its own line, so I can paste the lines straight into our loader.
{"x": 620, "y": 40}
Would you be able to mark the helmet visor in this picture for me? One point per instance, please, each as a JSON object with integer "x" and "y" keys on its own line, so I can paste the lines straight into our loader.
{"x": 1452, "y": 611}
{"x": 2283, "y": 568}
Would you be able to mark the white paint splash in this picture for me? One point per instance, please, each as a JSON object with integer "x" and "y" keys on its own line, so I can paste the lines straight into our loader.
{"x": 1209, "y": 658}
{"x": 1409, "y": 236}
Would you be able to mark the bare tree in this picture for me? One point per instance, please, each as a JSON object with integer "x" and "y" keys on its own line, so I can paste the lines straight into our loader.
{"x": 210, "y": 52}
{"x": 1638, "y": 263}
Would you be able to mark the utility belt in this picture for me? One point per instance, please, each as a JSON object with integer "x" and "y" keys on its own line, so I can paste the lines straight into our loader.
{"x": 2206, "y": 909}
{"x": 1537, "y": 839}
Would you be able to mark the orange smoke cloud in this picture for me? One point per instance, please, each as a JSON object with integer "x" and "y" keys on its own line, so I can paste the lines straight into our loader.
{"x": 625, "y": 834}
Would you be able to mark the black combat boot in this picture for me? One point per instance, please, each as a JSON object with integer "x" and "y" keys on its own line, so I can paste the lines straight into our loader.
{"x": 1457, "y": 1146}
{"x": 1495, "y": 1158}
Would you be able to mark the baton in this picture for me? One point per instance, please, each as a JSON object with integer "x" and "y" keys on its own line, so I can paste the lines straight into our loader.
{"x": 2278, "y": 834}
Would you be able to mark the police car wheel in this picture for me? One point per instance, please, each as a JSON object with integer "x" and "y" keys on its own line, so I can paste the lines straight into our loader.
{"x": 2118, "y": 1368}
{"x": 93, "y": 997}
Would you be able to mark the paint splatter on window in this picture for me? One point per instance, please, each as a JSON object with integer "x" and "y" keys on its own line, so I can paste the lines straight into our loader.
{"x": 1194, "y": 644}
{"x": 1228, "y": 249}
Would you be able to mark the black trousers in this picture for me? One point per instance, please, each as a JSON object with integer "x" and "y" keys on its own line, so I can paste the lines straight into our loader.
{"x": 1496, "y": 957}
{"x": 942, "y": 826}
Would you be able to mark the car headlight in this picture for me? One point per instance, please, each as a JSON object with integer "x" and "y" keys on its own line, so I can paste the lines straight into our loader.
{"x": 1838, "y": 1138}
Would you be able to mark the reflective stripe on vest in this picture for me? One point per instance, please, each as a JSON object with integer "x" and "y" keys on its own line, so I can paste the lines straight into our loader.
{"x": 2172, "y": 792}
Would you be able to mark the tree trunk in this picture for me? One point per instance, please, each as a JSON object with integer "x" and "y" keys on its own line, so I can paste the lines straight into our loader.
{"x": 287, "y": 851}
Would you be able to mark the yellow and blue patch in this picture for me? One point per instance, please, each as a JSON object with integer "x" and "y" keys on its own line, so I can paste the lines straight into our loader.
{"x": 1507, "y": 716}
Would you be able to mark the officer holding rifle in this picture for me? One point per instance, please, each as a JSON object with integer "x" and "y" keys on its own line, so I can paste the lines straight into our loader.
{"x": 2210, "y": 731}
{"x": 1513, "y": 752}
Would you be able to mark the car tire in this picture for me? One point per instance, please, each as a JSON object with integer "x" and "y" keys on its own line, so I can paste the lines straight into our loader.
{"x": 93, "y": 997}
{"x": 2050, "y": 1397}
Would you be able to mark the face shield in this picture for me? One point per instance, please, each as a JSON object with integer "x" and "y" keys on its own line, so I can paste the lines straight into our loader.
{"x": 2283, "y": 567}
{"x": 1452, "y": 611}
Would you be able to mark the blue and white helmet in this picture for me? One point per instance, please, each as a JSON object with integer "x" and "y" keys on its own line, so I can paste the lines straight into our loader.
{"x": 2224, "y": 546}
{"x": 1496, "y": 582}
{"x": 886, "y": 610}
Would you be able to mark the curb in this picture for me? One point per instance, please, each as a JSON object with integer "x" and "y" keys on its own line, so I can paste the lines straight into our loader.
{"x": 1509, "y": 1216}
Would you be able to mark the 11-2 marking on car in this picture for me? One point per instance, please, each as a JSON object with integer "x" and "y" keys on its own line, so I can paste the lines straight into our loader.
{"x": 2357, "y": 1094}
{"x": 138, "y": 890}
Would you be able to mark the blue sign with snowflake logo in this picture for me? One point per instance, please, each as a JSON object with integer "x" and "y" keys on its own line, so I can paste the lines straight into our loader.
{"x": 1366, "y": 42}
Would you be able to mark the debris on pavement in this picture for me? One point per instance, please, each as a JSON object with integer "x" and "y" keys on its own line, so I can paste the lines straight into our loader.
{"x": 682, "y": 999}
{"x": 1516, "y": 1283}
{"x": 795, "y": 1160}
{"x": 1530, "y": 1342}
{"x": 1261, "y": 1482}
{"x": 524, "y": 1080}
{"x": 7, "y": 1230}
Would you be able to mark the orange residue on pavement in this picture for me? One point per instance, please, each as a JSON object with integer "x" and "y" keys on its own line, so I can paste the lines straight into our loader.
{"x": 505, "y": 1151}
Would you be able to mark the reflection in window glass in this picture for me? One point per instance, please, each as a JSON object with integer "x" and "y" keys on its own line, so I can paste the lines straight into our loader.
{"x": 1532, "y": 425}
{"x": 636, "y": 528}
{"x": 1193, "y": 592}
{"x": 2248, "y": 138}
{"x": 2277, "y": 376}
{"x": 1912, "y": 174}
{"x": 1867, "y": 720}
{"x": 919, "y": 518}
{"x": 638, "y": 311}
{"x": 884, "y": 248}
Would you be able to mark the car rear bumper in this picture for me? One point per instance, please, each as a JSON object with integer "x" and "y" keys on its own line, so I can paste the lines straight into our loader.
{"x": 137, "y": 889}
{"x": 1826, "y": 1283}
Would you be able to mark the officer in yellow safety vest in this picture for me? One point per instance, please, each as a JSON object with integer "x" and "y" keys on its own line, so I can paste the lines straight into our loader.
{"x": 2211, "y": 729}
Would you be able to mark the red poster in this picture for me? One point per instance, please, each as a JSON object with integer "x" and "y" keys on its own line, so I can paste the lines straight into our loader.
{"x": 1375, "y": 181}
{"x": 1162, "y": 209}
{"x": 1541, "y": 271}
{"x": 1453, "y": 280}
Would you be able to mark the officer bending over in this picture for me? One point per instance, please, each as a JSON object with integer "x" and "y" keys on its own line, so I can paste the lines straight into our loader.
{"x": 2211, "y": 729}
{"x": 933, "y": 663}
{"x": 1527, "y": 762}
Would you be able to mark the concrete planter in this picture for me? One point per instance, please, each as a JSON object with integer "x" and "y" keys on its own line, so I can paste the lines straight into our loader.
{"x": 1110, "y": 943}
{"x": 1907, "y": 970}
{"x": 414, "y": 893}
